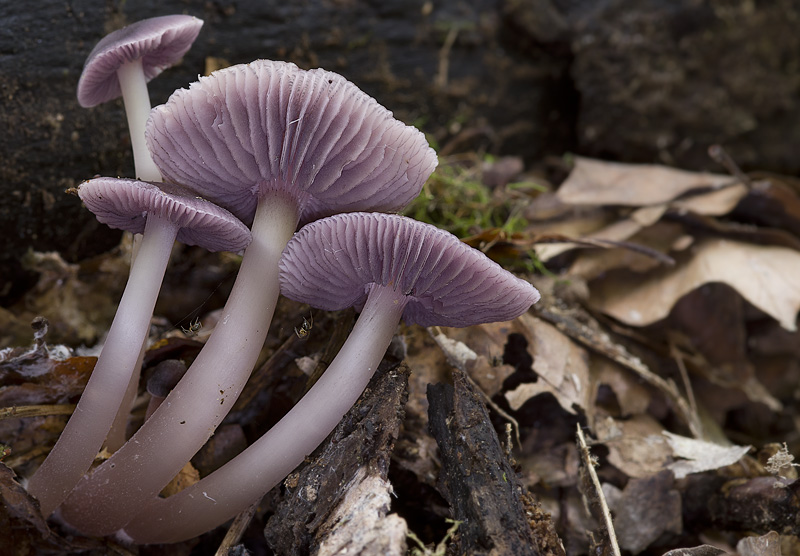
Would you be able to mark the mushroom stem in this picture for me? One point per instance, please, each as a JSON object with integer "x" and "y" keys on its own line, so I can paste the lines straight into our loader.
{"x": 107, "y": 499}
{"x": 137, "y": 108}
{"x": 86, "y": 430}
{"x": 266, "y": 462}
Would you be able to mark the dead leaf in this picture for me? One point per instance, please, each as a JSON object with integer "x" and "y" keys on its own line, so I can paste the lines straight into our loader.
{"x": 636, "y": 446}
{"x": 765, "y": 276}
{"x": 644, "y": 510}
{"x": 715, "y": 203}
{"x": 699, "y": 455}
{"x": 703, "y": 550}
{"x": 561, "y": 365}
{"x": 595, "y": 182}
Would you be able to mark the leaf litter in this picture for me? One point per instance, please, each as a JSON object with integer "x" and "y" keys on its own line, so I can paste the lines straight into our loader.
{"x": 666, "y": 336}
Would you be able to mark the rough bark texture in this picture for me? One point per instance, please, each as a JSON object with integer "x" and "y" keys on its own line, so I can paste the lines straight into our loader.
{"x": 339, "y": 502}
{"x": 476, "y": 478}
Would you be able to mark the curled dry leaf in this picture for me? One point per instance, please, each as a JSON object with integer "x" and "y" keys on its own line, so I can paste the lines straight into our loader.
{"x": 699, "y": 455}
{"x": 765, "y": 276}
{"x": 635, "y": 446}
{"x": 595, "y": 182}
{"x": 561, "y": 366}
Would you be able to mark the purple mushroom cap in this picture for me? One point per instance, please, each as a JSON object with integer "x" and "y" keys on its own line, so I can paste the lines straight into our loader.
{"x": 125, "y": 203}
{"x": 159, "y": 42}
{"x": 333, "y": 263}
{"x": 269, "y": 125}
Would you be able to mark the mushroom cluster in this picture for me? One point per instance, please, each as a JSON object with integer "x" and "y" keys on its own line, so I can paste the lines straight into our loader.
{"x": 248, "y": 155}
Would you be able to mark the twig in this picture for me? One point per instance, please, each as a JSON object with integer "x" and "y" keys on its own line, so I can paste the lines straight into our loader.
{"x": 596, "y": 498}
{"x": 17, "y": 411}
{"x": 444, "y": 57}
{"x": 237, "y": 529}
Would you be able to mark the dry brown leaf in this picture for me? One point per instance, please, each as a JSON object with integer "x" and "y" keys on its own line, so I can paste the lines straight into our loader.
{"x": 632, "y": 396}
{"x": 703, "y": 550}
{"x": 636, "y": 446}
{"x": 715, "y": 203}
{"x": 595, "y": 182}
{"x": 561, "y": 365}
{"x": 646, "y": 509}
{"x": 765, "y": 276}
{"x": 480, "y": 350}
{"x": 699, "y": 455}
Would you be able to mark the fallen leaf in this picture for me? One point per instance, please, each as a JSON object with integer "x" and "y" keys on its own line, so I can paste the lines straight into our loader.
{"x": 561, "y": 365}
{"x": 703, "y": 550}
{"x": 595, "y": 182}
{"x": 699, "y": 455}
{"x": 644, "y": 510}
{"x": 765, "y": 276}
{"x": 636, "y": 446}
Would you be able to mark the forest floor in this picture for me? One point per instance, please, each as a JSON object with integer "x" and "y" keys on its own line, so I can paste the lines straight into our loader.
{"x": 648, "y": 404}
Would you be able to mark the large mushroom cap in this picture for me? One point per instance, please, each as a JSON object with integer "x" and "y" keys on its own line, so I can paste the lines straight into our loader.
{"x": 125, "y": 203}
{"x": 332, "y": 263}
{"x": 159, "y": 42}
{"x": 269, "y": 125}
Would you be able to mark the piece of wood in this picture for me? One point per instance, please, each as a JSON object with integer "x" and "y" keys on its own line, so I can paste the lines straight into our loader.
{"x": 478, "y": 481}
{"x": 340, "y": 500}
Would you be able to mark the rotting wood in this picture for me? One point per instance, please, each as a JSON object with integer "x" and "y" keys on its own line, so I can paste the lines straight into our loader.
{"x": 478, "y": 481}
{"x": 341, "y": 498}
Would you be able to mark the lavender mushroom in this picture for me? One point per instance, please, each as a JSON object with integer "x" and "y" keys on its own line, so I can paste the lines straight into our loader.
{"x": 388, "y": 266}
{"x": 275, "y": 145}
{"x": 124, "y": 61}
{"x": 162, "y": 214}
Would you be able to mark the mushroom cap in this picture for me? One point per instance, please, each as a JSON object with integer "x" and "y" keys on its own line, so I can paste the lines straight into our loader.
{"x": 333, "y": 263}
{"x": 125, "y": 203}
{"x": 159, "y": 42}
{"x": 251, "y": 128}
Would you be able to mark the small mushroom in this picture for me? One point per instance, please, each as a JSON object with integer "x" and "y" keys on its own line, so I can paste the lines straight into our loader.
{"x": 275, "y": 145}
{"x": 124, "y": 61}
{"x": 388, "y": 266}
{"x": 162, "y": 213}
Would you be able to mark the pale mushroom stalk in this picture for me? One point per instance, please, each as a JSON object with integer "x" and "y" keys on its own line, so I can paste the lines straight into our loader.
{"x": 137, "y": 107}
{"x": 135, "y": 206}
{"x": 108, "y": 498}
{"x": 275, "y": 145}
{"x": 251, "y": 474}
{"x": 86, "y": 430}
{"x": 121, "y": 64}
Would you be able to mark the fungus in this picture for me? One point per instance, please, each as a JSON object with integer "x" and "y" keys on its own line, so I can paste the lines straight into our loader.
{"x": 275, "y": 145}
{"x": 162, "y": 214}
{"x": 390, "y": 267}
{"x": 124, "y": 61}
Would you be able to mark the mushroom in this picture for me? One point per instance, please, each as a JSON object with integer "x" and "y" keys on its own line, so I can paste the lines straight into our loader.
{"x": 121, "y": 64}
{"x": 275, "y": 145}
{"x": 390, "y": 267}
{"x": 124, "y": 61}
{"x": 162, "y": 213}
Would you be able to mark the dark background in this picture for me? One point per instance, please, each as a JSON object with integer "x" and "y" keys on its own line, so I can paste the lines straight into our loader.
{"x": 639, "y": 81}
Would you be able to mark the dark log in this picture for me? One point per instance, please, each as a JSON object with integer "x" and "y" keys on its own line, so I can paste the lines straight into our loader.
{"x": 477, "y": 479}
